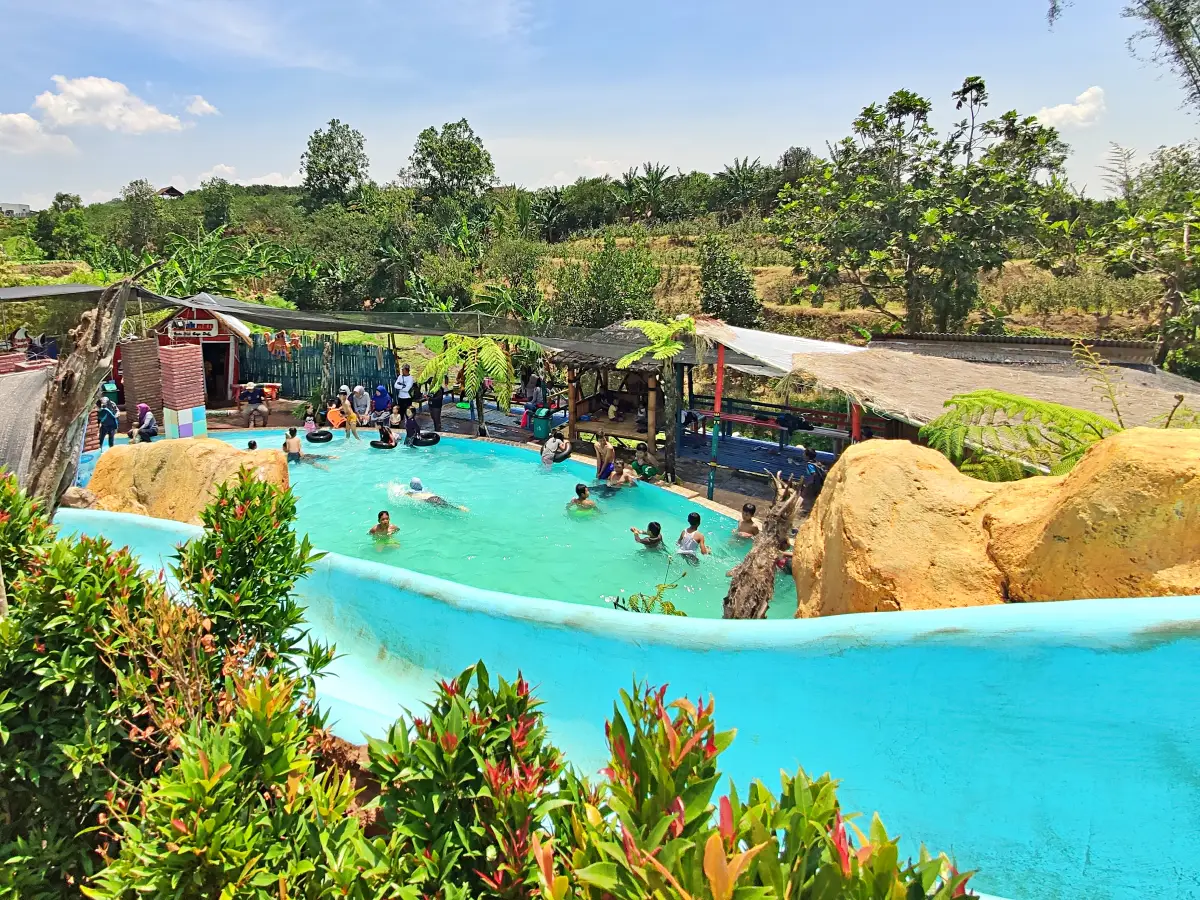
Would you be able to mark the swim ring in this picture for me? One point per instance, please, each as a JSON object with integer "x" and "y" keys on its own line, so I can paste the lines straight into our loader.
{"x": 319, "y": 437}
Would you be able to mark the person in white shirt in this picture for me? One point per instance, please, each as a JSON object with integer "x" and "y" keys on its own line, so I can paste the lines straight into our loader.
{"x": 404, "y": 387}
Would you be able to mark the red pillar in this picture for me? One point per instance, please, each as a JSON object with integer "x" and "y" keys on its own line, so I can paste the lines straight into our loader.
{"x": 855, "y": 423}
{"x": 712, "y": 465}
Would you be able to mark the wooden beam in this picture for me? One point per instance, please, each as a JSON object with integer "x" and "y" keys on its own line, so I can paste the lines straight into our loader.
{"x": 572, "y": 405}
{"x": 652, "y": 412}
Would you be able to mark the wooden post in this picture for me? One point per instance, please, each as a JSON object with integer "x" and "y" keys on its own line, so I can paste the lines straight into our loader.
{"x": 855, "y": 423}
{"x": 712, "y": 464}
{"x": 572, "y": 405}
{"x": 652, "y": 413}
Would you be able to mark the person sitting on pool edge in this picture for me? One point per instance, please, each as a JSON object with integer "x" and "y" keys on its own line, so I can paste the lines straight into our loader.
{"x": 645, "y": 463}
{"x": 651, "y": 538}
{"x": 582, "y": 499}
{"x": 383, "y": 526}
{"x": 691, "y": 539}
{"x": 746, "y": 528}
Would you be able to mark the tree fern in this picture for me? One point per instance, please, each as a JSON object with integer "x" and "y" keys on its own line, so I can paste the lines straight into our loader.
{"x": 992, "y": 434}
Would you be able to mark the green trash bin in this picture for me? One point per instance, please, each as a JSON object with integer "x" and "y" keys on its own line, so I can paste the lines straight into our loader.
{"x": 542, "y": 420}
{"x": 110, "y": 390}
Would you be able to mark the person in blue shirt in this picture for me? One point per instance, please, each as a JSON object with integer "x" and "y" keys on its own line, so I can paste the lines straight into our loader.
{"x": 106, "y": 413}
{"x": 256, "y": 404}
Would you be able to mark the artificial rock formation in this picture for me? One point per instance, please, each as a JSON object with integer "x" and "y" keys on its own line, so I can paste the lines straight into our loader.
{"x": 176, "y": 479}
{"x": 898, "y": 527}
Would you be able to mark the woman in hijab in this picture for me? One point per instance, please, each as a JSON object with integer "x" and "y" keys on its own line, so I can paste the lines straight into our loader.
{"x": 381, "y": 404}
{"x": 147, "y": 427}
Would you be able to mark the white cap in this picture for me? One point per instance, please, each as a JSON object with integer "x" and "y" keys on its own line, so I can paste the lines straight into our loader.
{"x": 343, "y": 389}
{"x": 416, "y": 485}
{"x": 250, "y": 385}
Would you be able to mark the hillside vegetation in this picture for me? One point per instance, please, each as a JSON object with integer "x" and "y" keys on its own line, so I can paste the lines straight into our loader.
{"x": 896, "y": 228}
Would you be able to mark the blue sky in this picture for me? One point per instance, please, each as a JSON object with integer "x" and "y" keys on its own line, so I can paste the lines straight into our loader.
{"x": 95, "y": 94}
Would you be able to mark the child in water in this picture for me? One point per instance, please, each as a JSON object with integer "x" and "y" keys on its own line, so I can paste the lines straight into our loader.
{"x": 746, "y": 528}
{"x": 691, "y": 540}
{"x": 651, "y": 538}
{"x": 383, "y": 527}
{"x": 310, "y": 419}
{"x": 582, "y": 499}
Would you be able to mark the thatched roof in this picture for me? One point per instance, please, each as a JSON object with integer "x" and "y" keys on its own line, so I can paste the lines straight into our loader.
{"x": 914, "y": 388}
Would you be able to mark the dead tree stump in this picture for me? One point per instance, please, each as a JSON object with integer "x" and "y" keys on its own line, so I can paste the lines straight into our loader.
{"x": 58, "y": 434}
{"x": 752, "y": 581}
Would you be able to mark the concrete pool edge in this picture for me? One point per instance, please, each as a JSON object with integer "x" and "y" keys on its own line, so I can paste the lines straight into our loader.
{"x": 1129, "y": 624}
{"x": 1039, "y": 728}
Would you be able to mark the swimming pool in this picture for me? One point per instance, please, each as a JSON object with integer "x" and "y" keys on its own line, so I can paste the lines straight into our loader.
{"x": 518, "y": 536}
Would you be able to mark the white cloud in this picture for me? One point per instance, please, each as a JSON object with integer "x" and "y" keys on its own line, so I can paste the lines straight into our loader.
{"x": 100, "y": 101}
{"x": 277, "y": 179}
{"x": 22, "y": 133}
{"x": 491, "y": 18}
{"x": 1086, "y": 110}
{"x": 201, "y": 107}
{"x": 220, "y": 170}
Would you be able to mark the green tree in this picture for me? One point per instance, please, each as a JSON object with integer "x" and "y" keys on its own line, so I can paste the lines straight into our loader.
{"x": 741, "y": 184}
{"x": 480, "y": 358}
{"x": 62, "y": 202}
{"x": 652, "y": 188}
{"x": 726, "y": 285}
{"x": 71, "y": 237}
{"x": 910, "y": 216}
{"x": 609, "y": 286}
{"x": 141, "y": 214}
{"x": 334, "y": 166}
{"x": 589, "y": 203}
{"x": 451, "y": 165}
{"x": 216, "y": 203}
{"x": 1168, "y": 181}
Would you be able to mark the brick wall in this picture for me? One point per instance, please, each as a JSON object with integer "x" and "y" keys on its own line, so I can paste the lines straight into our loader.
{"x": 182, "y": 376}
{"x": 91, "y": 437}
{"x": 9, "y": 362}
{"x": 141, "y": 373}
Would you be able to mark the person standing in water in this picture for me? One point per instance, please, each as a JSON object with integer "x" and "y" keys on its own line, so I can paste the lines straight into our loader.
{"x": 583, "y": 498}
{"x": 605, "y": 456}
{"x": 291, "y": 446}
{"x": 651, "y": 538}
{"x": 351, "y": 418}
{"x": 691, "y": 540}
{"x": 383, "y": 526}
{"x": 412, "y": 428}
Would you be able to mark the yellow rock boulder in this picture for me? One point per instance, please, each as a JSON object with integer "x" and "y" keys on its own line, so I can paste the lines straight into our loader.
{"x": 176, "y": 479}
{"x": 898, "y": 527}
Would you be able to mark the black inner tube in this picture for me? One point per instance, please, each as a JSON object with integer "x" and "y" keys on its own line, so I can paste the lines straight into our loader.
{"x": 380, "y": 445}
{"x": 426, "y": 439}
{"x": 319, "y": 437}
{"x": 563, "y": 454}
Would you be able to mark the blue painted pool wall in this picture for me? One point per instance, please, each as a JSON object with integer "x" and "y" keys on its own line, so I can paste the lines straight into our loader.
{"x": 1055, "y": 747}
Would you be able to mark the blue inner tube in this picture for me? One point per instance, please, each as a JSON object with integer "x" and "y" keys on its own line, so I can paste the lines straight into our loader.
{"x": 321, "y": 436}
{"x": 380, "y": 445}
{"x": 425, "y": 439}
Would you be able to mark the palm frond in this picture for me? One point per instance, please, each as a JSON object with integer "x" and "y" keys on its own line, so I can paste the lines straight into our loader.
{"x": 1034, "y": 435}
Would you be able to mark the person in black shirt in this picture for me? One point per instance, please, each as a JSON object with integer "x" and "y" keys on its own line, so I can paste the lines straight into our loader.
{"x": 436, "y": 396}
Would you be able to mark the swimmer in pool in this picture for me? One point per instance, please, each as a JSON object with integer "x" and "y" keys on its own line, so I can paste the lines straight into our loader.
{"x": 291, "y": 446}
{"x": 746, "y": 527}
{"x": 691, "y": 540}
{"x": 622, "y": 476}
{"x": 651, "y": 538}
{"x": 583, "y": 499}
{"x": 416, "y": 491}
{"x": 383, "y": 527}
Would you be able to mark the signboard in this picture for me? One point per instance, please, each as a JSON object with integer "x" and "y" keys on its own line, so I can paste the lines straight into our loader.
{"x": 192, "y": 328}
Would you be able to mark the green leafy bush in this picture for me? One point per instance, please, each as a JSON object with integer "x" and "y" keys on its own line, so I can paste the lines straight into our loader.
{"x": 614, "y": 284}
{"x": 244, "y": 813}
{"x": 726, "y": 286}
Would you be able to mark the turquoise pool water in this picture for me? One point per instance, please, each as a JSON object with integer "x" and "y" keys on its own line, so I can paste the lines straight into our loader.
{"x": 518, "y": 536}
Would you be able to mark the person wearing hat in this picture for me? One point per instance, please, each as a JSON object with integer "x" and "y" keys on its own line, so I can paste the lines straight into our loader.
{"x": 256, "y": 404}
{"x": 416, "y": 491}
{"x": 360, "y": 402}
